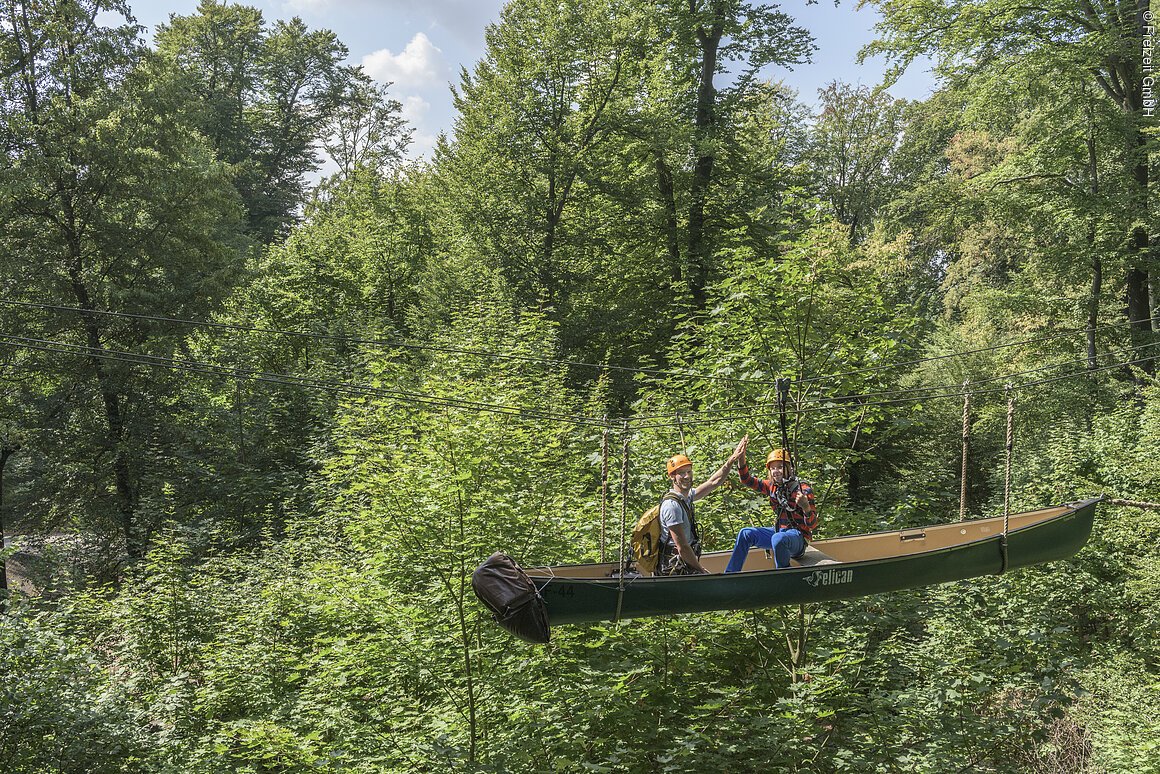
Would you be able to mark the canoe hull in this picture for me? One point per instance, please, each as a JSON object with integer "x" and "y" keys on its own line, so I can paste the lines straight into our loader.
{"x": 581, "y": 600}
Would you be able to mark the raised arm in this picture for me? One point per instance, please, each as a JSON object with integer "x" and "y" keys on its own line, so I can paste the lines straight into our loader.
{"x": 747, "y": 479}
{"x": 722, "y": 473}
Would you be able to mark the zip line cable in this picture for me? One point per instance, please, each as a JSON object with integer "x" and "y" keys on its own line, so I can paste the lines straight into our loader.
{"x": 552, "y": 361}
{"x": 935, "y": 358}
{"x": 985, "y": 380}
{"x": 208, "y": 368}
{"x": 193, "y": 366}
{"x": 384, "y": 343}
{"x": 958, "y": 393}
{"x": 857, "y": 398}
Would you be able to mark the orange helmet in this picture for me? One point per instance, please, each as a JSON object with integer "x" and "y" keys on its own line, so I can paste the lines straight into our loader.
{"x": 676, "y": 463}
{"x": 778, "y": 455}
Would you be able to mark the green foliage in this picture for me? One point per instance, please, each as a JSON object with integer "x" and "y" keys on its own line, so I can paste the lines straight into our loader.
{"x": 852, "y": 149}
{"x": 533, "y": 118}
{"x": 399, "y": 385}
{"x": 266, "y": 95}
{"x": 61, "y": 710}
{"x": 1119, "y": 714}
{"x": 820, "y": 306}
{"x": 111, "y": 203}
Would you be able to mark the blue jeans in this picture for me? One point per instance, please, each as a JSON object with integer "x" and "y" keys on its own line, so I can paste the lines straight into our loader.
{"x": 785, "y": 545}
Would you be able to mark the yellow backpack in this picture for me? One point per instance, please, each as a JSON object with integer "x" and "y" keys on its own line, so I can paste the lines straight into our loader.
{"x": 646, "y": 536}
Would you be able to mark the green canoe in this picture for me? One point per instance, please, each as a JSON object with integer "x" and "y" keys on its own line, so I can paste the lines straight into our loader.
{"x": 840, "y": 568}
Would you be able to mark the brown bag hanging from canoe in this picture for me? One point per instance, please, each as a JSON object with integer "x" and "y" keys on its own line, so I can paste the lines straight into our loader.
{"x": 512, "y": 598}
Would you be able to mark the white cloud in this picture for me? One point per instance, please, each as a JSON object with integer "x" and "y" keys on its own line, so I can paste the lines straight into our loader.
{"x": 419, "y": 65}
{"x": 306, "y": 6}
{"x": 422, "y": 146}
{"x": 415, "y": 109}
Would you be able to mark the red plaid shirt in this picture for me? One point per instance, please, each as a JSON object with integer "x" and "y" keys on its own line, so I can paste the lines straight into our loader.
{"x": 802, "y": 513}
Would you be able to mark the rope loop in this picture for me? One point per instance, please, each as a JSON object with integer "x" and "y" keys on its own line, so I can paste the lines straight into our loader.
{"x": 604, "y": 491}
{"x": 623, "y": 524}
{"x": 1010, "y": 446}
{"x": 966, "y": 441}
{"x": 1003, "y": 557}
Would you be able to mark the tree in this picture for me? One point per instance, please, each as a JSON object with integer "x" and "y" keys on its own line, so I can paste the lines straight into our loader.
{"x": 354, "y": 273}
{"x": 64, "y": 711}
{"x": 9, "y": 445}
{"x": 531, "y": 117}
{"x": 708, "y": 36}
{"x": 112, "y": 204}
{"x": 573, "y": 160}
{"x": 853, "y": 140}
{"x": 366, "y": 130}
{"x": 820, "y": 306}
{"x": 1098, "y": 43}
{"x": 267, "y": 96}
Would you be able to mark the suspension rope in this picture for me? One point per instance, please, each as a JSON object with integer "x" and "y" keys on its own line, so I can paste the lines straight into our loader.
{"x": 966, "y": 438}
{"x": 1007, "y": 479}
{"x": 603, "y": 491}
{"x": 1135, "y": 504}
{"x": 239, "y": 410}
{"x": 681, "y": 430}
{"x": 623, "y": 525}
{"x": 782, "y": 397}
{"x": 192, "y": 366}
{"x": 1010, "y": 445}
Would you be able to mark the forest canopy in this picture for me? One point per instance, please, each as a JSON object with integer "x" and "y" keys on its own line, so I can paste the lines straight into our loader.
{"x": 260, "y": 421}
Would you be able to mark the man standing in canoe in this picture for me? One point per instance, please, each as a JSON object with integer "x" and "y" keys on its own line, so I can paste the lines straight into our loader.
{"x": 680, "y": 539}
{"x": 795, "y": 511}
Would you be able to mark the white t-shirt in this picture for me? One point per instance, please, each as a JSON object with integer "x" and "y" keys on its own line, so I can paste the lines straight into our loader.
{"x": 673, "y": 516}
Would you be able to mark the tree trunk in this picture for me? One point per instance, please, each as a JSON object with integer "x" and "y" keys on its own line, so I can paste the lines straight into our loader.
{"x": 1097, "y": 264}
{"x": 704, "y": 151}
{"x": 549, "y": 244}
{"x": 1136, "y": 291}
{"x": 1094, "y": 307}
{"x": 558, "y": 195}
{"x": 854, "y": 484}
{"x": 135, "y": 538}
{"x": 669, "y": 200}
{"x": 5, "y": 453}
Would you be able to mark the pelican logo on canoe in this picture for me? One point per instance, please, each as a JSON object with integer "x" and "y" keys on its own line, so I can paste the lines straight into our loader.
{"x": 830, "y": 577}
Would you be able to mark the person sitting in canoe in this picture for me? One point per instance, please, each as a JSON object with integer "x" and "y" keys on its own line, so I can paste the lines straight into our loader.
{"x": 680, "y": 539}
{"x": 794, "y": 507}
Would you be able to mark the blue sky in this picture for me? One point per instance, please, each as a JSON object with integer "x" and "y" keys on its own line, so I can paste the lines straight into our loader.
{"x": 419, "y": 46}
